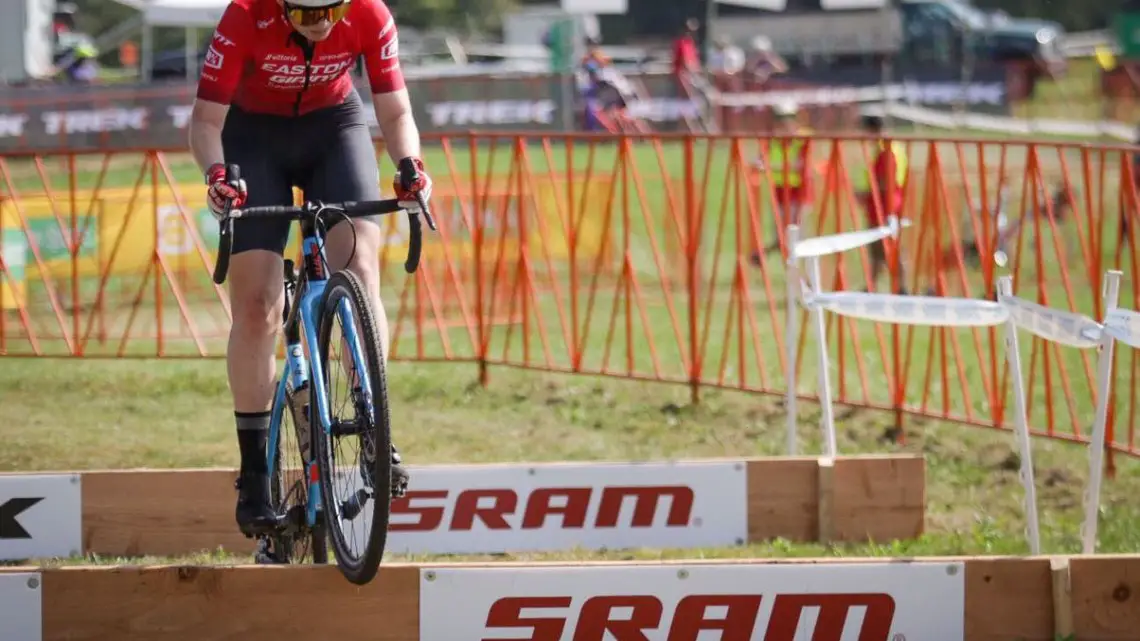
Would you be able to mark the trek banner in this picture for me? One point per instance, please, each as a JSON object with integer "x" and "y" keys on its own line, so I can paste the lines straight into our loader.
{"x": 125, "y": 117}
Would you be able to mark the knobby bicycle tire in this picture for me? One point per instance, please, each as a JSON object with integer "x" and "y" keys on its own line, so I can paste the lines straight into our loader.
{"x": 318, "y": 539}
{"x": 361, "y": 570}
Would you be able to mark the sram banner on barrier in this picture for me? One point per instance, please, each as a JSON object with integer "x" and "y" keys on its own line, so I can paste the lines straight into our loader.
{"x": 40, "y": 516}
{"x": 21, "y": 606}
{"x": 492, "y": 509}
{"x": 761, "y": 602}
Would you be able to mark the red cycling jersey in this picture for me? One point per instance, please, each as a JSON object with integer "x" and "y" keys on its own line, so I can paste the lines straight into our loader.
{"x": 256, "y": 63}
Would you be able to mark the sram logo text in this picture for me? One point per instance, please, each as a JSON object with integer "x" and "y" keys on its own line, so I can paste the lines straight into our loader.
{"x": 565, "y": 507}
{"x": 726, "y": 617}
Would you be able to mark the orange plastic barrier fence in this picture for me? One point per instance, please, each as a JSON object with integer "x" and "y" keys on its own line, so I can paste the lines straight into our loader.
{"x": 623, "y": 256}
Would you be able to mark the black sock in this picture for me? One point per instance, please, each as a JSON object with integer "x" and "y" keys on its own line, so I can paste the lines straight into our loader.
{"x": 253, "y": 435}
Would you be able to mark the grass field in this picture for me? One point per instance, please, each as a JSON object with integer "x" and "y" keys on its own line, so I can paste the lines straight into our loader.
{"x": 87, "y": 414}
{"x": 84, "y": 415}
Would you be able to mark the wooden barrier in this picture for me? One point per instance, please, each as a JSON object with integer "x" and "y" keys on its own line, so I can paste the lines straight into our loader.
{"x": 174, "y": 512}
{"x": 1005, "y": 599}
{"x": 253, "y": 603}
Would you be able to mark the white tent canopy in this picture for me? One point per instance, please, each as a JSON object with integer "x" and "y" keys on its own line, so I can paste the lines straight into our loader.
{"x": 179, "y": 13}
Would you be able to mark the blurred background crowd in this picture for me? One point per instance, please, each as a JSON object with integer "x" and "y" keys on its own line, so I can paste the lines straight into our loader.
{"x": 640, "y": 65}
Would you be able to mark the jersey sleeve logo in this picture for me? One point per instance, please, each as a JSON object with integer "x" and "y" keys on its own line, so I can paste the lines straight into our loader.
{"x": 221, "y": 39}
{"x": 391, "y": 50}
{"x": 213, "y": 58}
{"x": 388, "y": 26}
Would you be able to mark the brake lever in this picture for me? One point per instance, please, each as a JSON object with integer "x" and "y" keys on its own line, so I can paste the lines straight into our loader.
{"x": 425, "y": 211}
{"x": 226, "y": 229}
{"x": 409, "y": 175}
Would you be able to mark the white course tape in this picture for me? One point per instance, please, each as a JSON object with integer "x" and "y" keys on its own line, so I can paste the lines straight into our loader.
{"x": 1124, "y": 326}
{"x": 1005, "y": 124}
{"x": 846, "y": 241}
{"x": 1066, "y": 328}
{"x": 911, "y": 310}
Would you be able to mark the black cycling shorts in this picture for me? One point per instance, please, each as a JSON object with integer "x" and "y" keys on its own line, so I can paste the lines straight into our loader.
{"x": 327, "y": 153}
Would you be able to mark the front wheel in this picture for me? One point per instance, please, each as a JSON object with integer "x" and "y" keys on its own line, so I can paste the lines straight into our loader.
{"x": 356, "y": 496}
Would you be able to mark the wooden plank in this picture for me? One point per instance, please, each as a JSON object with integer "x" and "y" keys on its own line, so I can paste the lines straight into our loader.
{"x": 263, "y": 603}
{"x": 1009, "y": 598}
{"x": 160, "y": 512}
{"x": 825, "y": 500}
{"x": 782, "y": 495}
{"x": 1062, "y": 597}
{"x": 879, "y": 498}
{"x": 1105, "y": 597}
{"x": 19, "y": 569}
{"x": 1006, "y": 598}
{"x": 695, "y": 561}
{"x": 177, "y": 512}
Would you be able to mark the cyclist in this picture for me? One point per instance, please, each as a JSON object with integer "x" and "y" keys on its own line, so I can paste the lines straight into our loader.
{"x": 275, "y": 98}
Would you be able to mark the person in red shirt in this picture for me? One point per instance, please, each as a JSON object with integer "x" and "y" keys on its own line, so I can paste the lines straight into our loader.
{"x": 890, "y": 174}
{"x": 275, "y": 98}
{"x": 686, "y": 58}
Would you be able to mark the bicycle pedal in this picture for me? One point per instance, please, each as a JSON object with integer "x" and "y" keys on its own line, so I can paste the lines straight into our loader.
{"x": 400, "y": 477}
{"x": 399, "y": 488}
{"x": 262, "y": 555}
{"x": 352, "y": 508}
{"x": 267, "y": 558}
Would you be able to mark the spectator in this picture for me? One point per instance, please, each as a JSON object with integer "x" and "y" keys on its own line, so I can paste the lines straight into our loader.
{"x": 726, "y": 62}
{"x": 727, "y": 59}
{"x": 594, "y": 59}
{"x": 789, "y": 161}
{"x": 79, "y": 64}
{"x": 129, "y": 55}
{"x": 686, "y": 59}
{"x": 605, "y": 92}
{"x": 882, "y": 194}
{"x": 763, "y": 61}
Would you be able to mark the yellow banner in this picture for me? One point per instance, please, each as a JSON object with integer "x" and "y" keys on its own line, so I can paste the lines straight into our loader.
{"x": 542, "y": 216}
{"x": 13, "y": 279}
{"x": 119, "y": 231}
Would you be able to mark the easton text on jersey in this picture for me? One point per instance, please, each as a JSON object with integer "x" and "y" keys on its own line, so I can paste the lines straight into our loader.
{"x": 294, "y": 75}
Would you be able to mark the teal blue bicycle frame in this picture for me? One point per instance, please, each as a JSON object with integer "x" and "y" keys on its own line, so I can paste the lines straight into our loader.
{"x": 303, "y": 363}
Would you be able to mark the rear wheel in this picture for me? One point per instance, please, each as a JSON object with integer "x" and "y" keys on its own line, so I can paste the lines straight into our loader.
{"x": 357, "y": 494}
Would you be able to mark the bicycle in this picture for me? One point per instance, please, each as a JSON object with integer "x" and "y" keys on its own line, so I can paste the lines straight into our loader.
{"x": 314, "y": 300}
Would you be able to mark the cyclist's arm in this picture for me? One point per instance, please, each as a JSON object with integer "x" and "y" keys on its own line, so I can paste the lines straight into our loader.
{"x": 206, "y": 122}
{"x": 221, "y": 73}
{"x": 398, "y": 124}
{"x": 389, "y": 92}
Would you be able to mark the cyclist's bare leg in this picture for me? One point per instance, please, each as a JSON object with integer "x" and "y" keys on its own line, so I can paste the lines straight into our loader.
{"x": 338, "y": 247}
{"x": 365, "y": 263}
{"x": 256, "y": 297}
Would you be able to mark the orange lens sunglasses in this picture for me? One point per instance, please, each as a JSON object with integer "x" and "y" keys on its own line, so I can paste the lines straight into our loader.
{"x": 309, "y": 16}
